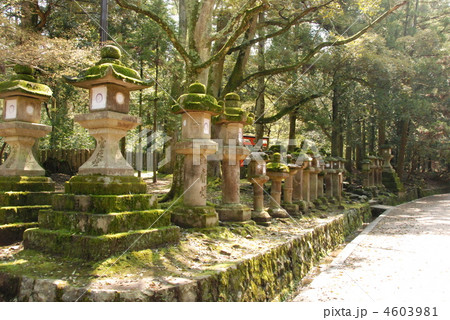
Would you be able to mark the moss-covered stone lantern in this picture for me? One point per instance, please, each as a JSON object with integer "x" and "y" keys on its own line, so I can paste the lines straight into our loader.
{"x": 231, "y": 123}
{"x": 365, "y": 168}
{"x": 313, "y": 175}
{"x": 105, "y": 210}
{"x": 21, "y": 114}
{"x": 257, "y": 176}
{"x": 291, "y": 208}
{"x": 302, "y": 161}
{"x": 109, "y": 83}
{"x": 329, "y": 177}
{"x": 389, "y": 178}
{"x": 277, "y": 172}
{"x": 306, "y": 180}
{"x": 196, "y": 108}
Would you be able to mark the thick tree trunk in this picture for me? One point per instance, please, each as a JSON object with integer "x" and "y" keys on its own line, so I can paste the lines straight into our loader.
{"x": 336, "y": 130}
{"x": 404, "y": 127}
{"x": 292, "y": 127}
{"x": 260, "y": 100}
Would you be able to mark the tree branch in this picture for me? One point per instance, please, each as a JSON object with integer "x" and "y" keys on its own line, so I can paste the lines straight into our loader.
{"x": 317, "y": 49}
{"x": 163, "y": 25}
{"x": 285, "y": 28}
{"x": 249, "y": 14}
{"x": 288, "y": 109}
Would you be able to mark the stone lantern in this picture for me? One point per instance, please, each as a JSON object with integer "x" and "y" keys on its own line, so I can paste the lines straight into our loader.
{"x": 365, "y": 167}
{"x": 390, "y": 178}
{"x": 338, "y": 168}
{"x": 105, "y": 210}
{"x": 109, "y": 84}
{"x": 313, "y": 176}
{"x": 330, "y": 175}
{"x": 320, "y": 178}
{"x": 21, "y": 127}
{"x": 231, "y": 124}
{"x": 373, "y": 168}
{"x": 196, "y": 108}
{"x": 291, "y": 208}
{"x": 307, "y": 165}
{"x": 386, "y": 154}
{"x": 256, "y": 174}
{"x": 277, "y": 172}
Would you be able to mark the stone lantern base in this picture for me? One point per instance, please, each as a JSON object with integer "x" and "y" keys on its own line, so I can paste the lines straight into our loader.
{"x": 21, "y": 199}
{"x": 100, "y": 216}
{"x": 292, "y": 209}
{"x": 303, "y": 207}
{"x": 391, "y": 180}
{"x": 21, "y": 136}
{"x": 195, "y": 217}
{"x": 234, "y": 212}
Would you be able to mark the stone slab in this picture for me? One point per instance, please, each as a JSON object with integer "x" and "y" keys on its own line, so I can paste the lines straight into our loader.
{"x": 104, "y": 203}
{"x": 195, "y": 217}
{"x": 106, "y": 185}
{"x": 19, "y": 198}
{"x": 86, "y": 247}
{"x": 20, "y": 213}
{"x": 98, "y": 224}
{"x": 10, "y": 233}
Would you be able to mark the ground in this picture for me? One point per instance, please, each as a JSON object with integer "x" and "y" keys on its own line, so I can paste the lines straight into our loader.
{"x": 400, "y": 257}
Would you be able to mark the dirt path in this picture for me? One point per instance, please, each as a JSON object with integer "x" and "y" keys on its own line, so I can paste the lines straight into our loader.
{"x": 403, "y": 256}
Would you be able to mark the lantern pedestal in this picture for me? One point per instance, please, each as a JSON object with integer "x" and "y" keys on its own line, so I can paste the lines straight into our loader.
{"x": 291, "y": 208}
{"x": 107, "y": 127}
{"x": 275, "y": 210}
{"x": 21, "y": 136}
{"x": 231, "y": 209}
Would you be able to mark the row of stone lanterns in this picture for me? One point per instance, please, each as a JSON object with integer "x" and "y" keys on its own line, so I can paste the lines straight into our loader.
{"x": 372, "y": 169}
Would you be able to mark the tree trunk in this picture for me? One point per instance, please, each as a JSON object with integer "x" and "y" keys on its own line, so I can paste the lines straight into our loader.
{"x": 404, "y": 126}
{"x": 260, "y": 100}
{"x": 292, "y": 127}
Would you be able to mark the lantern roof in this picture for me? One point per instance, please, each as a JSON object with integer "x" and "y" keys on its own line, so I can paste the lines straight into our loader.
{"x": 109, "y": 70}
{"x": 233, "y": 111}
{"x": 24, "y": 83}
{"x": 197, "y": 100}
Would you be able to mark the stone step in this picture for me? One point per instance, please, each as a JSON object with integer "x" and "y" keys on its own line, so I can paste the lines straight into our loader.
{"x": 86, "y": 247}
{"x": 99, "y": 224}
{"x": 20, "y": 213}
{"x": 20, "y": 183}
{"x": 378, "y": 209}
{"x": 104, "y": 203}
{"x": 10, "y": 233}
{"x": 106, "y": 185}
{"x": 21, "y": 198}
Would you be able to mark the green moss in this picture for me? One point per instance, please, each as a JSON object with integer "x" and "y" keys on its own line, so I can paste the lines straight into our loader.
{"x": 26, "y": 86}
{"x": 23, "y": 69}
{"x": 99, "y": 224}
{"x": 65, "y": 243}
{"x": 105, "y": 185}
{"x": 109, "y": 51}
{"x": 22, "y": 183}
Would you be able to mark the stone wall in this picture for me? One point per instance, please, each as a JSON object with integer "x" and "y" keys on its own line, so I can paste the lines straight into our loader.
{"x": 271, "y": 274}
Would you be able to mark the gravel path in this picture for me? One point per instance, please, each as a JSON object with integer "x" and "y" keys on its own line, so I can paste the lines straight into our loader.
{"x": 402, "y": 256}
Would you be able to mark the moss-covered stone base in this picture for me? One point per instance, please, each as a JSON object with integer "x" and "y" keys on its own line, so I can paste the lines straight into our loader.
{"x": 102, "y": 224}
{"x": 105, "y": 185}
{"x": 13, "y": 232}
{"x": 292, "y": 209}
{"x": 65, "y": 243}
{"x": 269, "y": 268}
{"x": 195, "y": 217}
{"x": 104, "y": 203}
{"x": 302, "y": 206}
{"x": 234, "y": 212}
{"x": 22, "y": 183}
{"x": 391, "y": 181}
{"x": 19, "y": 209}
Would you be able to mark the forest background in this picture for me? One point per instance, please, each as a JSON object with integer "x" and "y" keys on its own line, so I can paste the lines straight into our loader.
{"x": 346, "y": 76}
